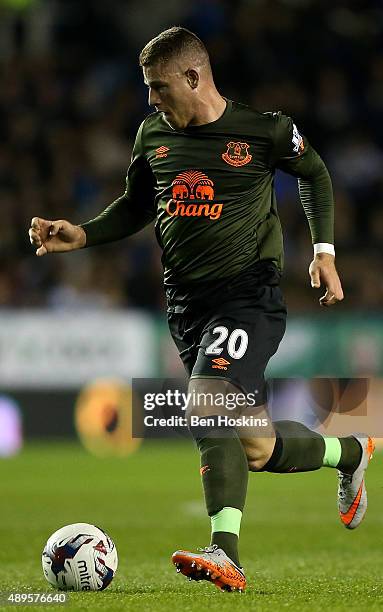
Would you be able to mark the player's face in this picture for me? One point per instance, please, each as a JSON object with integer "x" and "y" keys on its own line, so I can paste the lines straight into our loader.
{"x": 170, "y": 92}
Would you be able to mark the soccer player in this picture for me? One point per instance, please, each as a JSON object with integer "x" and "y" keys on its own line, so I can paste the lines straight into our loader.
{"x": 203, "y": 167}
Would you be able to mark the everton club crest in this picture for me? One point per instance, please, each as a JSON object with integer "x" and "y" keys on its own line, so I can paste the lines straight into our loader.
{"x": 237, "y": 154}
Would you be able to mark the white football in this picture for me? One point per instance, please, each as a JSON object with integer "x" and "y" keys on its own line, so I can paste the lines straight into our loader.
{"x": 79, "y": 557}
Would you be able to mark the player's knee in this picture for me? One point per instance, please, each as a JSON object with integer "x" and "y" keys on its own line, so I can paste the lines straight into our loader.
{"x": 256, "y": 465}
{"x": 258, "y": 455}
{"x": 207, "y": 397}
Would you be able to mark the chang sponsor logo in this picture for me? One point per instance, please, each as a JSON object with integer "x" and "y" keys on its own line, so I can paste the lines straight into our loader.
{"x": 176, "y": 208}
{"x": 193, "y": 195}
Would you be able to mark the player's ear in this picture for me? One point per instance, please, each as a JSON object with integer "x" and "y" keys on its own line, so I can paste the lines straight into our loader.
{"x": 192, "y": 77}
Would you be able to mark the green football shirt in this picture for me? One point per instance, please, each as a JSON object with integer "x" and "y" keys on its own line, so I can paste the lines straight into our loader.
{"x": 210, "y": 189}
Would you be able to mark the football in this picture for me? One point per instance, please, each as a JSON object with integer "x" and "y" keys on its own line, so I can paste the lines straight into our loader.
{"x": 79, "y": 557}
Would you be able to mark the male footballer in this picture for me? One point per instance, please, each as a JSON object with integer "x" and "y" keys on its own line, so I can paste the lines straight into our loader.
{"x": 203, "y": 168}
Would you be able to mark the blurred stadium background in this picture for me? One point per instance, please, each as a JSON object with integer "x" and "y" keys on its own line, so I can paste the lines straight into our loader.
{"x": 70, "y": 102}
{"x": 75, "y": 329}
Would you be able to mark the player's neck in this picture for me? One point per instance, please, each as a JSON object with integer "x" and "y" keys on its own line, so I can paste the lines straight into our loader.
{"x": 209, "y": 108}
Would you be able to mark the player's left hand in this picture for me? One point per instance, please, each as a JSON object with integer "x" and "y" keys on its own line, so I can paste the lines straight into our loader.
{"x": 322, "y": 270}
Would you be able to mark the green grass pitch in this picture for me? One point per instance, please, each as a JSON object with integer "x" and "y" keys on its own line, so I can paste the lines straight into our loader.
{"x": 295, "y": 552}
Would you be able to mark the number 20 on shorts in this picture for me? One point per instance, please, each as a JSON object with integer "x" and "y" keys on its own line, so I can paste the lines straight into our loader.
{"x": 236, "y": 344}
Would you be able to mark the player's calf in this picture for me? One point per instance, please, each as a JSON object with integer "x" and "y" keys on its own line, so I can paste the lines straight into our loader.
{"x": 224, "y": 470}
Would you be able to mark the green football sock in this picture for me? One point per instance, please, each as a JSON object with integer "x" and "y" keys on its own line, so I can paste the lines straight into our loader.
{"x": 224, "y": 471}
{"x": 333, "y": 451}
{"x": 225, "y": 526}
{"x": 297, "y": 449}
{"x": 342, "y": 453}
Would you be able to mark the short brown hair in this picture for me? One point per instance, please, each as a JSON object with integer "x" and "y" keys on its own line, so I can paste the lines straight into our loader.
{"x": 171, "y": 43}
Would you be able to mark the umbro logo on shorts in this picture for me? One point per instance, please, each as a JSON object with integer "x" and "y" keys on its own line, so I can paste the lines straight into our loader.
{"x": 220, "y": 363}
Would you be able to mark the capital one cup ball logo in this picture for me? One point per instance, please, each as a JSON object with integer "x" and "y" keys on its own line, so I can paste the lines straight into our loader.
{"x": 192, "y": 196}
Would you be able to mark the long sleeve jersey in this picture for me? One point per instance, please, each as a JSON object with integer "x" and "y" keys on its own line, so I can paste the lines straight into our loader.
{"x": 210, "y": 189}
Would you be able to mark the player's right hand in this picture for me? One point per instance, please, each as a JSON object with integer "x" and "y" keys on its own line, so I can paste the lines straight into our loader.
{"x": 322, "y": 269}
{"x": 55, "y": 236}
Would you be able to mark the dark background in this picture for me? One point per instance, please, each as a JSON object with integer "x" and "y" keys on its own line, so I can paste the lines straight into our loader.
{"x": 72, "y": 98}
